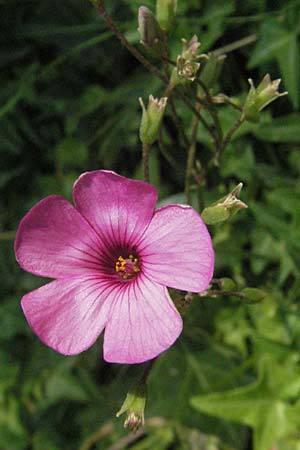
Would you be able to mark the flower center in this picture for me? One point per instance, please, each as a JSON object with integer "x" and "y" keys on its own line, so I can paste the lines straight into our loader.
{"x": 127, "y": 268}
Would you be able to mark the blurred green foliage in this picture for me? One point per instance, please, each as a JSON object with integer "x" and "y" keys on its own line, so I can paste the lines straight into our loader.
{"x": 69, "y": 103}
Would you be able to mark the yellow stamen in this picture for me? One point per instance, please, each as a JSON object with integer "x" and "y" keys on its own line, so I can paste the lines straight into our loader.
{"x": 127, "y": 268}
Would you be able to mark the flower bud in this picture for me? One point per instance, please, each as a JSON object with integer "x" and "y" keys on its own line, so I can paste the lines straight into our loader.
{"x": 227, "y": 284}
{"x": 187, "y": 62}
{"x": 165, "y": 13}
{"x": 212, "y": 69}
{"x": 151, "y": 119}
{"x": 253, "y": 295}
{"x": 186, "y": 68}
{"x": 258, "y": 98}
{"x": 150, "y": 32}
{"x": 224, "y": 208}
{"x": 134, "y": 406}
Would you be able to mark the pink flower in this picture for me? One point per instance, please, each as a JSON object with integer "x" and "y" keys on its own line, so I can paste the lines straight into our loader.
{"x": 112, "y": 256}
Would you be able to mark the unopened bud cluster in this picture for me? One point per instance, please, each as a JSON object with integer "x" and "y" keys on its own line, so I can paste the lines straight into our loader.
{"x": 151, "y": 34}
{"x": 151, "y": 119}
{"x": 224, "y": 208}
{"x": 134, "y": 406}
{"x": 211, "y": 69}
{"x": 258, "y": 98}
{"x": 165, "y": 13}
{"x": 187, "y": 63}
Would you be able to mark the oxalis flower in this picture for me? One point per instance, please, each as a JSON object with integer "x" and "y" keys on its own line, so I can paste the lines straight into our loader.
{"x": 112, "y": 256}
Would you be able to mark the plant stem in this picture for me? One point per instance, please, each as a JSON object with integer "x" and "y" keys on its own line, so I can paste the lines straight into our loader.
{"x": 103, "y": 431}
{"x": 176, "y": 119}
{"x": 222, "y": 98}
{"x": 99, "y": 4}
{"x": 7, "y": 235}
{"x": 228, "y": 137}
{"x": 146, "y": 153}
{"x": 191, "y": 155}
{"x": 216, "y": 293}
{"x": 147, "y": 370}
{"x": 127, "y": 440}
{"x": 209, "y": 105}
{"x": 189, "y": 103}
{"x": 235, "y": 45}
{"x": 168, "y": 156}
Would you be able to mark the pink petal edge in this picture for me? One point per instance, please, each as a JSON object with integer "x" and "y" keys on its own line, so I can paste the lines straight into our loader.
{"x": 69, "y": 315}
{"x": 176, "y": 249}
{"x": 54, "y": 240}
{"x": 143, "y": 323}
{"x": 119, "y": 209}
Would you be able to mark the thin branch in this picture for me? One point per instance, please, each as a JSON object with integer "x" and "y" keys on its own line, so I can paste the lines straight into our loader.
{"x": 103, "y": 431}
{"x": 209, "y": 105}
{"x": 222, "y": 99}
{"x": 99, "y": 4}
{"x": 7, "y": 235}
{"x": 189, "y": 103}
{"x": 212, "y": 293}
{"x": 235, "y": 45}
{"x": 127, "y": 440}
{"x": 147, "y": 370}
{"x": 191, "y": 155}
{"x": 176, "y": 119}
{"x": 146, "y": 153}
{"x": 168, "y": 156}
{"x": 228, "y": 137}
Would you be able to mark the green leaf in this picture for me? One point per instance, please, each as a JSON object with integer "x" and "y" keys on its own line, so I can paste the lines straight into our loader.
{"x": 259, "y": 405}
{"x": 282, "y": 129}
{"x": 288, "y": 60}
{"x": 279, "y": 43}
{"x": 273, "y": 39}
{"x": 71, "y": 152}
{"x": 87, "y": 103}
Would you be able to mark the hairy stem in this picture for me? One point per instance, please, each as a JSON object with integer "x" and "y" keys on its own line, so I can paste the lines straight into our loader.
{"x": 146, "y": 153}
{"x": 216, "y": 293}
{"x": 176, "y": 119}
{"x": 147, "y": 370}
{"x": 228, "y": 137}
{"x": 91, "y": 440}
{"x": 191, "y": 155}
{"x": 99, "y": 4}
{"x": 209, "y": 105}
{"x": 189, "y": 103}
{"x": 7, "y": 235}
{"x": 235, "y": 45}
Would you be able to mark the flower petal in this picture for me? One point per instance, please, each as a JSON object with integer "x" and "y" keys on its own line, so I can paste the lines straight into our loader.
{"x": 118, "y": 208}
{"x": 54, "y": 240}
{"x": 68, "y": 315}
{"x": 176, "y": 249}
{"x": 143, "y": 323}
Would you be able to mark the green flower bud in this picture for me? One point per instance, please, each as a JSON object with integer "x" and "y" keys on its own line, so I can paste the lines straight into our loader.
{"x": 215, "y": 214}
{"x": 254, "y": 295}
{"x": 212, "y": 69}
{"x": 190, "y": 48}
{"x": 187, "y": 69}
{"x": 227, "y": 284}
{"x": 165, "y": 13}
{"x": 151, "y": 119}
{"x": 134, "y": 406}
{"x": 151, "y": 34}
{"x": 224, "y": 208}
{"x": 187, "y": 65}
{"x": 258, "y": 98}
